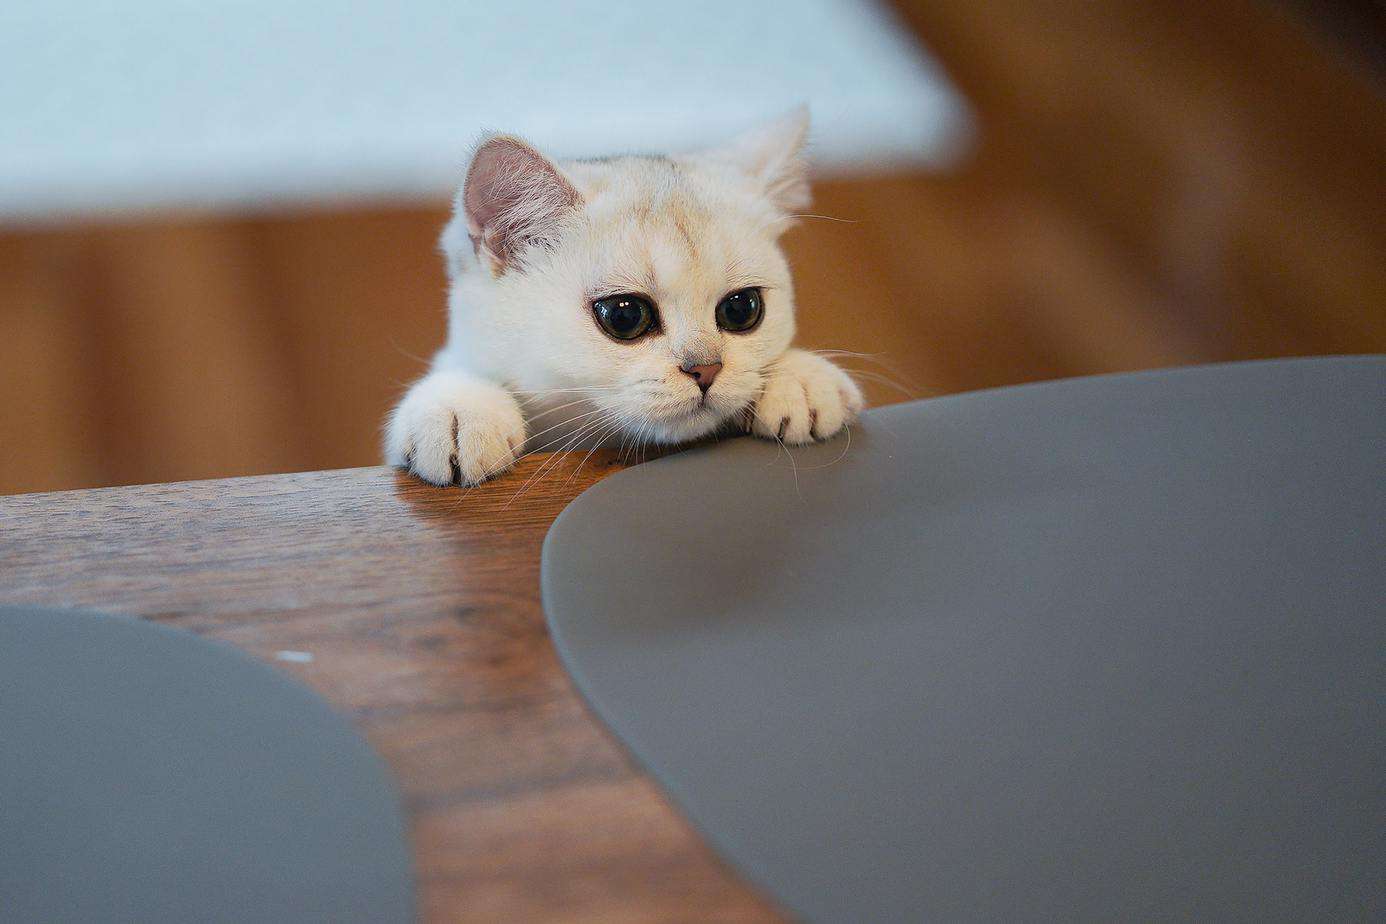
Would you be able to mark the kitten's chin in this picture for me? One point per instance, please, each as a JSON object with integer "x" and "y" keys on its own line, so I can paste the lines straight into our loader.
{"x": 696, "y": 424}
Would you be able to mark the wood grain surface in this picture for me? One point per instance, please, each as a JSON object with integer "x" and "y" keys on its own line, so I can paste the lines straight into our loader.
{"x": 420, "y": 608}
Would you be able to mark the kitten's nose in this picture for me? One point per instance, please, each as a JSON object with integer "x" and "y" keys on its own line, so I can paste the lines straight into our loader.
{"x": 703, "y": 374}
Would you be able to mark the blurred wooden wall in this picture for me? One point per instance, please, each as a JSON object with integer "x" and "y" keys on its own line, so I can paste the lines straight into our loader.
{"x": 1154, "y": 184}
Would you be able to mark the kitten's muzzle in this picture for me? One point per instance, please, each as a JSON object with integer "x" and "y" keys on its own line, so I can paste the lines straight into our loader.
{"x": 703, "y": 374}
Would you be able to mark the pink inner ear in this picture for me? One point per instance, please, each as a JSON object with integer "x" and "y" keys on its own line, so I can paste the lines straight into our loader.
{"x": 514, "y": 198}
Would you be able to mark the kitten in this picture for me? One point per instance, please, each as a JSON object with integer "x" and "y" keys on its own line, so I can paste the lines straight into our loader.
{"x": 644, "y": 298}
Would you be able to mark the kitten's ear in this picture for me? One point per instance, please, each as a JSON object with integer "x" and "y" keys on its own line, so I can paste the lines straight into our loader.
{"x": 513, "y": 198}
{"x": 773, "y": 154}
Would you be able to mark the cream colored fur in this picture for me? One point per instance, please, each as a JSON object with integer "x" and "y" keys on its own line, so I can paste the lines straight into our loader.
{"x": 534, "y": 242}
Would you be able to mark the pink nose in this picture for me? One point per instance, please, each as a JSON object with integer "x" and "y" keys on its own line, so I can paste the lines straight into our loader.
{"x": 703, "y": 374}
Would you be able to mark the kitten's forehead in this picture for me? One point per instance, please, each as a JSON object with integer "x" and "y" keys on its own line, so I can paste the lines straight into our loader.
{"x": 661, "y": 228}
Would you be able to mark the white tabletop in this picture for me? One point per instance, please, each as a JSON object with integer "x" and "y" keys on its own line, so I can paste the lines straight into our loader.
{"x": 117, "y": 106}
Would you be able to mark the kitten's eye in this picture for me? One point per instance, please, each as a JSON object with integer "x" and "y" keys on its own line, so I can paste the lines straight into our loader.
{"x": 625, "y": 317}
{"x": 740, "y": 311}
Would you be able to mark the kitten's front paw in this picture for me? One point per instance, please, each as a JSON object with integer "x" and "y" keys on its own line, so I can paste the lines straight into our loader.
{"x": 452, "y": 429}
{"x": 806, "y": 398}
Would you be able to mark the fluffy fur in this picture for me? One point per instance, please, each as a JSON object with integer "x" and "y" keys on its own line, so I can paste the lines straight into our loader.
{"x": 534, "y": 242}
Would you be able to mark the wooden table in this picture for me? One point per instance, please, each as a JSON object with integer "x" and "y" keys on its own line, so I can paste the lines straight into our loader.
{"x": 420, "y": 609}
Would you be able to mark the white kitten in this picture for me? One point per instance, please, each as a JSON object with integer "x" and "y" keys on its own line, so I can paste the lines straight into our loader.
{"x": 645, "y": 298}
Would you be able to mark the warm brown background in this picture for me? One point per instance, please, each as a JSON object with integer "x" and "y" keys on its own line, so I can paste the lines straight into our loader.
{"x": 1154, "y": 184}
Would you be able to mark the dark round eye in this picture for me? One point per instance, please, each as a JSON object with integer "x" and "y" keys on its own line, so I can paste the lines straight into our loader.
{"x": 740, "y": 311}
{"x": 625, "y": 317}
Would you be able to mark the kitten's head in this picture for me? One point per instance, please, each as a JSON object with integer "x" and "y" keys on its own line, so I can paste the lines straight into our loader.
{"x": 653, "y": 286}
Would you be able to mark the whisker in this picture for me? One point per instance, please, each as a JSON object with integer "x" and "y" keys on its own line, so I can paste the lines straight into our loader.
{"x": 502, "y": 466}
{"x": 901, "y": 382}
{"x": 613, "y": 428}
{"x": 597, "y": 429}
{"x": 641, "y": 436}
{"x": 583, "y": 389}
{"x": 882, "y": 379}
{"x": 405, "y": 353}
{"x": 627, "y": 435}
{"x": 793, "y": 464}
{"x": 546, "y": 464}
{"x": 561, "y": 423}
{"x": 840, "y": 456}
{"x": 870, "y": 356}
{"x": 557, "y": 457}
{"x": 555, "y": 410}
{"x": 526, "y": 399}
{"x": 629, "y": 440}
{"x": 567, "y": 389}
{"x": 846, "y": 221}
